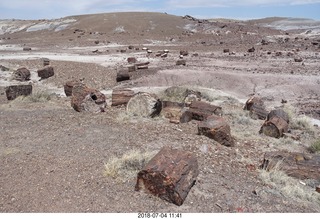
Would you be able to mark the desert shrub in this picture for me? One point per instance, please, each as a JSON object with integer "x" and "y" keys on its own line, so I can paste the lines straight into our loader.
{"x": 128, "y": 165}
{"x": 315, "y": 146}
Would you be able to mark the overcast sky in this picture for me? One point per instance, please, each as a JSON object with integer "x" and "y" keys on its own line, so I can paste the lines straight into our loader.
{"x": 245, "y": 9}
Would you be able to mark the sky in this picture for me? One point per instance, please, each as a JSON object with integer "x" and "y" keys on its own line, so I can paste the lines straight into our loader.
{"x": 242, "y": 9}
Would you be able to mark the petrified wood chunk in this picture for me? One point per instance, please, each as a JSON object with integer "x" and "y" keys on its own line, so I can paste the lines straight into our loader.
{"x": 170, "y": 175}
{"x": 22, "y": 74}
{"x": 172, "y": 110}
{"x": 200, "y": 110}
{"x": 279, "y": 113}
{"x": 122, "y": 75}
{"x": 275, "y": 127}
{"x": 181, "y": 62}
{"x": 13, "y": 91}
{"x": 68, "y": 87}
{"x": 87, "y": 99}
{"x": 144, "y": 105}
{"x": 217, "y": 128}
{"x": 46, "y": 72}
{"x": 121, "y": 96}
{"x": 256, "y": 107}
{"x": 298, "y": 165}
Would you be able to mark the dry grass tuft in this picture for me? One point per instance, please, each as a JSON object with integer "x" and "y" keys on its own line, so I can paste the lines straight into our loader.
{"x": 34, "y": 97}
{"x": 128, "y": 165}
{"x": 289, "y": 187}
{"x": 315, "y": 146}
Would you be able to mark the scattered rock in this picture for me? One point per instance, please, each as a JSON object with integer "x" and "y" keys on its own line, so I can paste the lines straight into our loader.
{"x": 199, "y": 110}
{"x": 130, "y": 47}
{"x": 226, "y": 50}
{"x": 132, "y": 60}
{"x": 184, "y": 52}
{"x": 96, "y": 41}
{"x": 68, "y": 87}
{"x": 26, "y": 48}
{"x": 45, "y": 61}
{"x": 251, "y": 49}
{"x": 13, "y": 91}
{"x": 298, "y": 59}
{"x": 122, "y": 75}
{"x": 3, "y": 68}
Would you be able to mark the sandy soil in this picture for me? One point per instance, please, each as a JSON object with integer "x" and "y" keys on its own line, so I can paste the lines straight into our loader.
{"x": 52, "y": 158}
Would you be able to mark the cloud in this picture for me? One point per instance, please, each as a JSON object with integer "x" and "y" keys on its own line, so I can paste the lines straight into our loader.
{"x": 232, "y": 3}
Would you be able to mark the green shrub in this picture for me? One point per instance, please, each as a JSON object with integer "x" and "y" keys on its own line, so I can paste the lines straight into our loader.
{"x": 315, "y": 146}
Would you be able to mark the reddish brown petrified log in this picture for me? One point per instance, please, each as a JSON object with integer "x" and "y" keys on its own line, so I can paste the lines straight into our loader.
{"x": 121, "y": 96}
{"x": 170, "y": 174}
{"x": 218, "y": 129}
{"x": 200, "y": 111}
{"x": 275, "y": 127}
{"x": 46, "y": 72}
{"x": 68, "y": 87}
{"x": 172, "y": 111}
{"x": 22, "y": 74}
{"x": 301, "y": 166}
{"x": 279, "y": 113}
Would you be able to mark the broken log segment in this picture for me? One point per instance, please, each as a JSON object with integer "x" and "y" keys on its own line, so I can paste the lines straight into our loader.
{"x": 275, "y": 127}
{"x": 172, "y": 110}
{"x": 13, "y": 91}
{"x": 121, "y": 96}
{"x": 46, "y": 72}
{"x": 170, "y": 175}
{"x": 68, "y": 87}
{"x": 256, "y": 107}
{"x": 22, "y": 74}
{"x": 200, "y": 110}
{"x": 294, "y": 164}
{"x": 218, "y": 129}
{"x": 122, "y": 75}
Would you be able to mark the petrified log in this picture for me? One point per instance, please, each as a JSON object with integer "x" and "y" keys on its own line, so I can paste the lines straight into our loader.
{"x": 184, "y": 52}
{"x": 131, "y": 60}
{"x": 21, "y": 74}
{"x": 256, "y": 107}
{"x": 87, "y": 99}
{"x": 170, "y": 175}
{"x": 275, "y": 127}
{"x": 121, "y": 96}
{"x": 200, "y": 111}
{"x": 144, "y": 105}
{"x": 142, "y": 64}
{"x": 191, "y": 96}
{"x": 122, "y": 75}
{"x": 46, "y": 72}
{"x": 13, "y": 91}
{"x": 217, "y": 128}
{"x": 298, "y": 165}
{"x": 279, "y": 113}
{"x": 142, "y": 67}
{"x": 132, "y": 68}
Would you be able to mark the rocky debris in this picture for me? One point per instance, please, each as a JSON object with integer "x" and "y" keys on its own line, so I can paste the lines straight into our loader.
{"x": 278, "y": 53}
{"x": 3, "y": 68}
{"x": 144, "y": 105}
{"x": 318, "y": 189}
{"x": 13, "y": 91}
{"x": 181, "y": 62}
{"x": 121, "y": 96}
{"x": 132, "y": 68}
{"x": 87, "y": 99}
{"x": 167, "y": 181}
{"x": 298, "y": 59}
{"x": 122, "y": 75}
{"x": 280, "y": 113}
{"x": 46, "y": 72}
{"x": 22, "y": 74}
{"x": 216, "y": 128}
{"x": 298, "y": 165}
{"x": 264, "y": 42}
{"x": 68, "y": 87}
{"x": 226, "y": 50}
{"x": 130, "y": 47}
{"x": 96, "y": 42}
